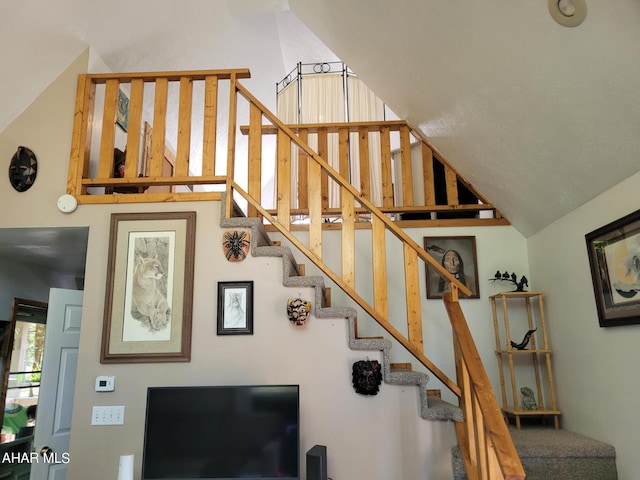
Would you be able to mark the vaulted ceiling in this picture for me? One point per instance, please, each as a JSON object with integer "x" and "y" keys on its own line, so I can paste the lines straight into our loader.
{"x": 539, "y": 117}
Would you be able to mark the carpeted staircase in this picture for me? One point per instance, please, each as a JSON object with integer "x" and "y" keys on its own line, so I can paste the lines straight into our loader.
{"x": 549, "y": 454}
{"x": 431, "y": 406}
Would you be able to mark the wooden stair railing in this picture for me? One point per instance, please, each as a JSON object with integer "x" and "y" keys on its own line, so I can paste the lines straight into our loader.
{"x": 426, "y": 191}
{"x": 425, "y": 187}
{"x": 147, "y": 91}
{"x": 489, "y": 448}
{"x": 484, "y": 439}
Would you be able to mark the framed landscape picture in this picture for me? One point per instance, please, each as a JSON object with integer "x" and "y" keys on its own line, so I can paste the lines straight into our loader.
{"x": 614, "y": 258}
{"x": 458, "y": 256}
{"x": 149, "y": 294}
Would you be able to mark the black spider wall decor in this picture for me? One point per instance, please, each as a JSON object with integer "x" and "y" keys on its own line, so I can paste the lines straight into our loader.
{"x": 235, "y": 245}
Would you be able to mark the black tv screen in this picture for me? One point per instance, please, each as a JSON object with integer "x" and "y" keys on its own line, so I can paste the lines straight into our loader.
{"x": 226, "y": 432}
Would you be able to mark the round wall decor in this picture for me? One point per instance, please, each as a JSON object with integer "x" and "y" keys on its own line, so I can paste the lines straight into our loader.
{"x": 23, "y": 169}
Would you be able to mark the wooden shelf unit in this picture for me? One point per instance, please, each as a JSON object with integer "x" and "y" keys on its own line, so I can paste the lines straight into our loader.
{"x": 536, "y": 355}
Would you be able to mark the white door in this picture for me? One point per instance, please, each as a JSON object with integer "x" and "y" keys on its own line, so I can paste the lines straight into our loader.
{"x": 55, "y": 405}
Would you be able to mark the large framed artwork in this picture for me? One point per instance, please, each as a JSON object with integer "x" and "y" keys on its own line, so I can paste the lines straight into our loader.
{"x": 458, "y": 256}
{"x": 149, "y": 294}
{"x": 614, "y": 258}
{"x": 235, "y": 308}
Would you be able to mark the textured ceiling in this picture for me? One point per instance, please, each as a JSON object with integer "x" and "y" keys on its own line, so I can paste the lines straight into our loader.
{"x": 540, "y": 118}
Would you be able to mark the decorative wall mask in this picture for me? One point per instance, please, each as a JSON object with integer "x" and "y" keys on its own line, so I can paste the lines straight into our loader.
{"x": 298, "y": 311}
{"x": 236, "y": 245}
{"x": 367, "y": 376}
{"x": 23, "y": 169}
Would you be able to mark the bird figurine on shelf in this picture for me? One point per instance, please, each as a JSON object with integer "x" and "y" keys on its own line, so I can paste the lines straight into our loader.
{"x": 512, "y": 278}
{"x": 525, "y": 341}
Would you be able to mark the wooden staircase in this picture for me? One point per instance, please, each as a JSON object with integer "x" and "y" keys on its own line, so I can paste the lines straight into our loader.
{"x": 485, "y": 442}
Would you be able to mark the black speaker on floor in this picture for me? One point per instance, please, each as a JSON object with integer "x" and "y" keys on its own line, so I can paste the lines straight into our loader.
{"x": 317, "y": 463}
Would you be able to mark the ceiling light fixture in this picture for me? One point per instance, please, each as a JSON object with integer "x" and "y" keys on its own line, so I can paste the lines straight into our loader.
{"x": 568, "y": 13}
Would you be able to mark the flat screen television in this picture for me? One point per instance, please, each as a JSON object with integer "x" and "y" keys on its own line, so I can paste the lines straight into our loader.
{"x": 222, "y": 432}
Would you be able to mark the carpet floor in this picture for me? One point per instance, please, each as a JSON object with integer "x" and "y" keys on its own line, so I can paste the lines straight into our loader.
{"x": 550, "y": 454}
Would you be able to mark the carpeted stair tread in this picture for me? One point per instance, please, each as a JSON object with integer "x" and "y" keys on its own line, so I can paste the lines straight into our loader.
{"x": 540, "y": 441}
{"x": 550, "y": 454}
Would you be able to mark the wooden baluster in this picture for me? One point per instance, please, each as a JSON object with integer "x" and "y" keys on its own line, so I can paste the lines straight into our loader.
{"x": 412, "y": 287}
{"x": 80, "y": 142}
{"x": 427, "y": 174}
{"x": 451, "y": 181}
{"x": 255, "y": 157}
{"x": 315, "y": 208}
{"x": 405, "y": 159}
{"x": 347, "y": 205}
{"x": 105, "y": 165}
{"x": 158, "y": 141}
{"x": 455, "y": 292}
{"x": 323, "y": 152}
{"x": 231, "y": 141}
{"x": 343, "y": 152}
{"x": 365, "y": 167}
{"x": 184, "y": 128}
{"x": 284, "y": 180}
{"x": 478, "y": 419}
{"x": 378, "y": 244}
{"x": 210, "y": 125}
{"x": 466, "y": 403}
{"x": 303, "y": 171}
{"x": 135, "y": 128}
{"x": 387, "y": 176}
{"x": 233, "y": 115}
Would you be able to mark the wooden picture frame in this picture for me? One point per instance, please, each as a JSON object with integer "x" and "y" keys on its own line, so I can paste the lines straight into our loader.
{"x": 5, "y": 329}
{"x": 235, "y": 308}
{"x": 149, "y": 293}
{"x": 461, "y": 251}
{"x": 614, "y": 258}
{"x": 122, "y": 113}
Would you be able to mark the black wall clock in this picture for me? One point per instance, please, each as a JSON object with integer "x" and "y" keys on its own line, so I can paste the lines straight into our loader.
{"x": 23, "y": 169}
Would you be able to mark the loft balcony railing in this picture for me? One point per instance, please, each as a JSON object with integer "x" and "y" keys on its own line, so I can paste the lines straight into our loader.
{"x": 240, "y": 149}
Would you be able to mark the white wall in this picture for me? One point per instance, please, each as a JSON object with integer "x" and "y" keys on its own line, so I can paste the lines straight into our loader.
{"x": 595, "y": 367}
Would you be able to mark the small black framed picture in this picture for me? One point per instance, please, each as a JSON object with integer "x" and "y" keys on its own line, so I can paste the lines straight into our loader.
{"x": 235, "y": 308}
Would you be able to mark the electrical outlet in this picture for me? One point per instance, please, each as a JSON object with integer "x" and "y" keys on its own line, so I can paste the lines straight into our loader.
{"x": 107, "y": 415}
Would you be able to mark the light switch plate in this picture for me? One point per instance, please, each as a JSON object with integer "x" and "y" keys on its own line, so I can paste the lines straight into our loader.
{"x": 107, "y": 415}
